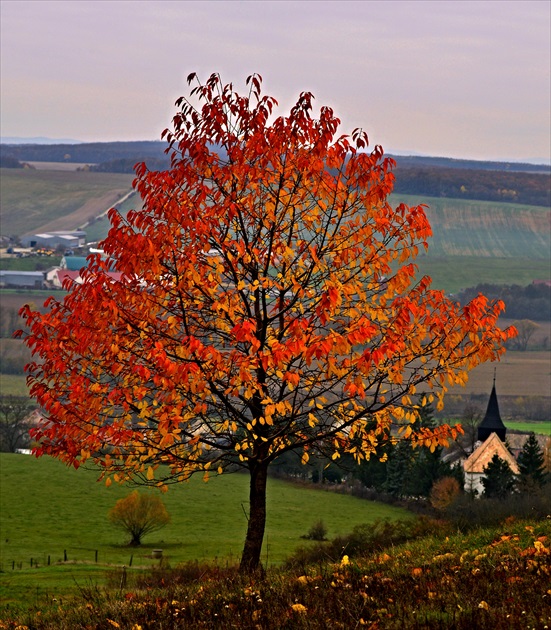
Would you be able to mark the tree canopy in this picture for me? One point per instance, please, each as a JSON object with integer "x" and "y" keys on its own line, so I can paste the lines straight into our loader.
{"x": 268, "y": 302}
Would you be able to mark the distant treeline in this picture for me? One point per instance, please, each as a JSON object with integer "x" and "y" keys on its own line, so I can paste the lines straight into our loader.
{"x": 420, "y": 161}
{"x": 7, "y": 161}
{"x": 458, "y": 183}
{"x": 87, "y": 153}
{"x": 97, "y": 152}
{"x": 416, "y": 175}
{"x": 530, "y": 302}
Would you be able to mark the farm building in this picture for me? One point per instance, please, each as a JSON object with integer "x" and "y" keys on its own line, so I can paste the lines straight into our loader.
{"x": 55, "y": 239}
{"x": 22, "y": 279}
{"x": 59, "y": 278}
{"x": 73, "y": 263}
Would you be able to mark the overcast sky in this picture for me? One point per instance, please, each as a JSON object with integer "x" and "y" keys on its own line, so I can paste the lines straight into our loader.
{"x": 461, "y": 79}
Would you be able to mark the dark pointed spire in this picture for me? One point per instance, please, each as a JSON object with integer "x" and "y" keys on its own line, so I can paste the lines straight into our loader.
{"x": 492, "y": 422}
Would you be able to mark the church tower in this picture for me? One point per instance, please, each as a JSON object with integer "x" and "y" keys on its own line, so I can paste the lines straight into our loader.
{"x": 492, "y": 422}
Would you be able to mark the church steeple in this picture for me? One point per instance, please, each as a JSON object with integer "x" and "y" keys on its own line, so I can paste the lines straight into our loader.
{"x": 492, "y": 422}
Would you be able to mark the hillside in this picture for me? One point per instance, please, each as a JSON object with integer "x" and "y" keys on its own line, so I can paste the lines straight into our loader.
{"x": 433, "y": 176}
{"x": 35, "y": 200}
{"x": 484, "y": 229}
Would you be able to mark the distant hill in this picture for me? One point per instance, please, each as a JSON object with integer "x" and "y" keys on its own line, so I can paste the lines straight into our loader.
{"x": 418, "y": 161}
{"x": 505, "y": 182}
{"x": 37, "y": 140}
{"x": 88, "y": 153}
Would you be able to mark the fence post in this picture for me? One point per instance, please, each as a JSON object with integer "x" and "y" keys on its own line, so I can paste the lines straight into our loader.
{"x": 96, "y": 556}
{"x": 65, "y": 555}
{"x": 123, "y": 579}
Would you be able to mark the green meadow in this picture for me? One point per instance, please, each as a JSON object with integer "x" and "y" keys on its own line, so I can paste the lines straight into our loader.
{"x": 49, "y": 511}
{"x": 540, "y": 428}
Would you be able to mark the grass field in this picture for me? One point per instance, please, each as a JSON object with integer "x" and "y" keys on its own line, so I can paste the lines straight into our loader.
{"x": 492, "y": 578}
{"x": 34, "y": 200}
{"x": 13, "y": 385}
{"x": 540, "y": 428}
{"x": 485, "y": 229}
{"x": 98, "y": 230}
{"x": 47, "y": 509}
{"x": 453, "y": 273}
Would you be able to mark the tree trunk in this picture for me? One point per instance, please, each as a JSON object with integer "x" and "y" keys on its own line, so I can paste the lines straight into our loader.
{"x": 250, "y": 559}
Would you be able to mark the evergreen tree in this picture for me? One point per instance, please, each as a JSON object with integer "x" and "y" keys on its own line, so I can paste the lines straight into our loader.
{"x": 372, "y": 472}
{"x": 531, "y": 464}
{"x": 398, "y": 472}
{"x": 498, "y": 480}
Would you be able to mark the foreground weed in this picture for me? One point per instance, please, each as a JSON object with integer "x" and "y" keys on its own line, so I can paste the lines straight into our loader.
{"x": 490, "y": 579}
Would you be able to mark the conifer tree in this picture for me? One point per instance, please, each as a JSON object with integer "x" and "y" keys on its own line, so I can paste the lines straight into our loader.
{"x": 531, "y": 465}
{"x": 498, "y": 480}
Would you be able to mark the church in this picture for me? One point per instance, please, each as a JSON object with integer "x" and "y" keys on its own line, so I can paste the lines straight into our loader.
{"x": 490, "y": 441}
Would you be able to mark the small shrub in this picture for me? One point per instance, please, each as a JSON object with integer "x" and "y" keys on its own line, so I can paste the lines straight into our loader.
{"x": 318, "y": 531}
{"x": 444, "y": 492}
{"x": 138, "y": 515}
{"x": 467, "y": 513}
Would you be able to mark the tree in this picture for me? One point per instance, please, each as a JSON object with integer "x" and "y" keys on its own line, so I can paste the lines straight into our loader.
{"x": 398, "y": 470}
{"x": 444, "y": 492}
{"x": 267, "y": 303}
{"x": 138, "y": 515}
{"x": 526, "y": 330}
{"x": 498, "y": 480}
{"x": 14, "y": 423}
{"x": 531, "y": 464}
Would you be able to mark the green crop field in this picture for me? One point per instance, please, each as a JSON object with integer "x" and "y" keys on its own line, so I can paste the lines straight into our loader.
{"x": 484, "y": 228}
{"x": 483, "y": 241}
{"x": 453, "y": 273}
{"x": 540, "y": 428}
{"x": 13, "y": 385}
{"x": 98, "y": 230}
{"x": 47, "y": 509}
{"x": 34, "y": 200}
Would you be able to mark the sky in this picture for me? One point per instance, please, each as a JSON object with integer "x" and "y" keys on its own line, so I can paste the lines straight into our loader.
{"x": 462, "y": 79}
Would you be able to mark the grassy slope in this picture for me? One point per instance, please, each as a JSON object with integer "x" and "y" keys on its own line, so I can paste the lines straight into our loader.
{"x": 67, "y": 510}
{"x": 98, "y": 230}
{"x": 485, "y": 229}
{"x": 34, "y": 199}
{"x": 540, "y": 428}
{"x": 453, "y": 273}
{"x": 479, "y": 241}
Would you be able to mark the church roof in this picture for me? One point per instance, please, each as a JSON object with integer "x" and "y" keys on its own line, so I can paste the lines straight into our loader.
{"x": 482, "y": 456}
